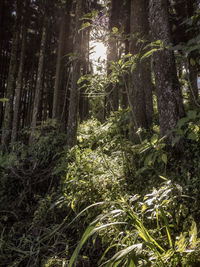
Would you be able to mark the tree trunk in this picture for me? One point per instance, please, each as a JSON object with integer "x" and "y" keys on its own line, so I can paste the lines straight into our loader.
{"x": 7, "y": 121}
{"x": 140, "y": 93}
{"x": 112, "y": 92}
{"x": 84, "y": 101}
{"x": 169, "y": 98}
{"x": 74, "y": 94}
{"x": 18, "y": 88}
{"x": 39, "y": 81}
{"x": 127, "y": 51}
{"x": 59, "y": 92}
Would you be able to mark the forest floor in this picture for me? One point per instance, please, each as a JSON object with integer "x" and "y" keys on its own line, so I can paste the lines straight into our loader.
{"x": 140, "y": 201}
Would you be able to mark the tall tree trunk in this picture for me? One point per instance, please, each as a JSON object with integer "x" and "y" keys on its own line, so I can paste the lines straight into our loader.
{"x": 7, "y": 121}
{"x": 127, "y": 50}
{"x": 39, "y": 81}
{"x": 169, "y": 98}
{"x": 74, "y": 94}
{"x": 141, "y": 84}
{"x": 194, "y": 65}
{"x": 84, "y": 101}
{"x": 58, "y": 100}
{"x": 112, "y": 92}
{"x": 57, "y": 91}
{"x": 18, "y": 88}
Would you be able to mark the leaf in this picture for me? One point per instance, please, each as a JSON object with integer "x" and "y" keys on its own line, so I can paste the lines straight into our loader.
{"x": 193, "y": 234}
{"x": 164, "y": 158}
{"x": 128, "y": 55}
{"x": 148, "y": 160}
{"x": 154, "y": 139}
{"x": 123, "y": 253}
{"x": 84, "y": 25}
{"x": 4, "y": 99}
{"x": 82, "y": 79}
{"x": 151, "y": 52}
{"x": 192, "y": 62}
{"x": 192, "y": 136}
{"x": 166, "y": 226}
{"x": 162, "y": 177}
{"x": 84, "y": 238}
{"x": 114, "y": 30}
{"x": 192, "y": 114}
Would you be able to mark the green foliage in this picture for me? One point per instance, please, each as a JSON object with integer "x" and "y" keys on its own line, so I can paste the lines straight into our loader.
{"x": 49, "y": 199}
{"x": 146, "y": 230}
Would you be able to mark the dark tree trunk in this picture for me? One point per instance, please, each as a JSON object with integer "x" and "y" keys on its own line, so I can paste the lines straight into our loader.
{"x": 39, "y": 80}
{"x": 140, "y": 93}
{"x": 127, "y": 50}
{"x": 7, "y": 120}
{"x": 59, "y": 89}
{"x": 74, "y": 94}
{"x": 16, "y": 115}
{"x": 169, "y": 98}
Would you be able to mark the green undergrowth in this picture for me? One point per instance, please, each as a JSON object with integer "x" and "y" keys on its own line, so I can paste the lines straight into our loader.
{"x": 106, "y": 201}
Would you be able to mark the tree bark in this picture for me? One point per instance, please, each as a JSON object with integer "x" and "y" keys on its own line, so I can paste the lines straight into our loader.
{"x": 7, "y": 120}
{"x": 39, "y": 81}
{"x": 74, "y": 94}
{"x": 169, "y": 98}
{"x": 127, "y": 19}
{"x": 59, "y": 92}
{"x": 16, "y": 115}
{"x": 112, "y": 92}
{"x": 140, "y": 93}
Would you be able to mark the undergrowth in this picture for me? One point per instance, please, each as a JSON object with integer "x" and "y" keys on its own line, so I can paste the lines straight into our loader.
{"x": 49, "y": 195}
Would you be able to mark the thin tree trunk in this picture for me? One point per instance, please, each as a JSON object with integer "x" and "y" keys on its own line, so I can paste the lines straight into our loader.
{"x": 127, "y": 51}
{"x": 193, "y": 73}
{"x": 59, "y": 92}
{"x": 57, "y": 88}
{"x": 112, "y": 92}
{"x": 39, "y": 81}
{"x": 74, "y": 94}
{"x": 19, "y": 87}
{"x": 84, "y": 101}
{"x": 7, "y": 121}
{"x": 169, "y": 99}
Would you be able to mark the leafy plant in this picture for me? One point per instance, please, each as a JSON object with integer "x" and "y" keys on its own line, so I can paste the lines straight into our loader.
{"x": 138, "y": 241}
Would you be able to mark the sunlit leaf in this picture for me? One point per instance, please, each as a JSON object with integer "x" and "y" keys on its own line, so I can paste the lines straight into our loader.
{"x": 114, "y": 30}
{"x": 164, "y": 158}
{"x": 192, "y": 62}
{"x": 84, "y": 26}
{"x": 4, "y": 99}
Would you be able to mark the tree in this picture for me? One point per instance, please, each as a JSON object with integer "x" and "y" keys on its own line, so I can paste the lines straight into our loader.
{"x": 126, "y": 22}
{"x": 16, "y": 115}
{"x": 169, "y": 98}
{"x": 74, "y": 94}
{"x": 140, "y": 93}
{"x": 59, "y": 93}
{"x": 186, "y": 29}
{"x": 39, "y": 80}
{"x": 112, "y": 92}
{"x": 8, "y": 114}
